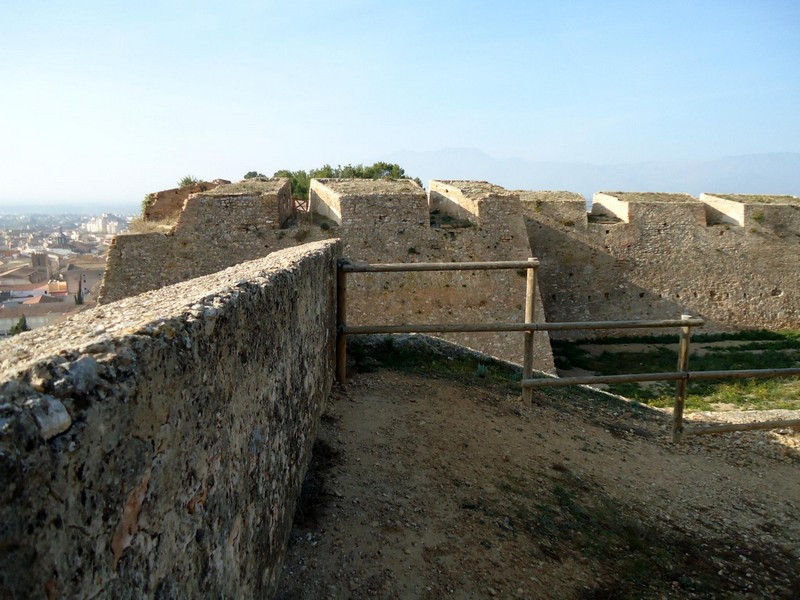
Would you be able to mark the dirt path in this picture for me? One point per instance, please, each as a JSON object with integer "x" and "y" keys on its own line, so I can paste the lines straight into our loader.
{"x": 429, "y": 488}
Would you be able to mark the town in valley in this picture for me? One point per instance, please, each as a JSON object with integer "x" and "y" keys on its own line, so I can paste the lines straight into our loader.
{"x": 51, "y": 266}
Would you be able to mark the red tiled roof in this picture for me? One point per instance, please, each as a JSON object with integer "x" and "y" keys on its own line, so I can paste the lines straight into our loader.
{"x": 42, "y": 300}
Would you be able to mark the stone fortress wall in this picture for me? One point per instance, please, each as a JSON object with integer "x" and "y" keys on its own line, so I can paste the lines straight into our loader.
{"x": 156, "y": 446}
{"x": 168, "y": 204}
{"x": 730, "y": 259}
{"x": 215, "y": 228}
{"x": 391, "y": 222}
{"x": 733, "y": 260}
{"x": 378, "y": 221}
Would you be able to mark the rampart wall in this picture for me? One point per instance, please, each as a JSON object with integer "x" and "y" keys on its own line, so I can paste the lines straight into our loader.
{"x": 155, "y": 447}
{"x": 168, "y": 203}
{"x": 216, "y": 229}
{"x": 390, "y": 221}
{"x": 734, "y": 260}
{"x": 730, "y": 259}
{"x": 378, "y": 221}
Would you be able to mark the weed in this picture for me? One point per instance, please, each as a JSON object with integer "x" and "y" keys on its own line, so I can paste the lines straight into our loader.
{"x": 759, "y": 349}
{"x": 139, "y": 225}
{"x": 369, "y": 354}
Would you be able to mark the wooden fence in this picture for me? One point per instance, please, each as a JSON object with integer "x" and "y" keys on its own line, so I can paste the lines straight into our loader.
{"x": 681, "y": 376}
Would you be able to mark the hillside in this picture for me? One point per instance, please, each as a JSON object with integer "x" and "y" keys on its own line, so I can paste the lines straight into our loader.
{"x": 431, "y": 480}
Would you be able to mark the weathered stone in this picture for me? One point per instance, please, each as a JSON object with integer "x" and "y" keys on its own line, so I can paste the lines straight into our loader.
{"x": 188, "y": 445}
{"x": 732, "y": 260}
{"x": 50, "y": 414}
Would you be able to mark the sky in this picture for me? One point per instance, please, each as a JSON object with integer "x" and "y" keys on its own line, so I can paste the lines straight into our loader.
{"x": 107, "y": 100}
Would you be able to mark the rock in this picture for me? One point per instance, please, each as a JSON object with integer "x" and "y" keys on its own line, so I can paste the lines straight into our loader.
{"x": 50, "y": 414}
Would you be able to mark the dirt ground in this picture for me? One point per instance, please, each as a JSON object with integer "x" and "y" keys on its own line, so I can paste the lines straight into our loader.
{"x": 426, "y": 487}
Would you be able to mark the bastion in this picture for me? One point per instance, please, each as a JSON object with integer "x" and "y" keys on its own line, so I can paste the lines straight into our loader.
{"x": 730, "y": 259}
{"x": 215, "y": 229}
{"x": 655, "y": 256}
{"x": 377, "y": 221}
{"x": 391, "y": 222}
{"x": 168, "y": 203}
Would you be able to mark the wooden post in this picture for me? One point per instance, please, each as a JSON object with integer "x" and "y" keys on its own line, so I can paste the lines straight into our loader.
{"x": 527, "y": 362}
{"x": 341, "y": 321}
{"x": 680, "y": 385}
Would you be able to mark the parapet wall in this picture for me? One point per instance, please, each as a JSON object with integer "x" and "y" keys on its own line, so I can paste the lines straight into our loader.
{"x": 652, "y": 256}
{"x": 168, "y": 203}
{"x": 215, "y": 229}
{"x": 390, "y": 222}
{"x": 155, "y": 447}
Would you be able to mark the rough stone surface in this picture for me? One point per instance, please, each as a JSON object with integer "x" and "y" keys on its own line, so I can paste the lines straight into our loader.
{"x": 728, "y": 258}
{"x": 658, "y": 259}
{"x": 378, "y": 221}
{"x": 390, "y": 222}
{"x": 223, "y": 226}
{"x": 155, "y": 447}
{"x": 168, "y": 203}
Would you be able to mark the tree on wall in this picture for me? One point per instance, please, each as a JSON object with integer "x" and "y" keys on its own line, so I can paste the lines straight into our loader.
{"x": 22, "y": 325}
{"x": 301, "y": 180}
{"x": 188, "y": 180}
{"x": 252, "y": 174}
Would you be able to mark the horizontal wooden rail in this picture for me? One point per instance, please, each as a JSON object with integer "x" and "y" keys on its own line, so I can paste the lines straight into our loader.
{"x": 681, "y": 376}
{"x": 493, "y": 327}
{"x": 730, "y": 427}
{"x": 686, "y": 375}
{"x": 349, "y": 267}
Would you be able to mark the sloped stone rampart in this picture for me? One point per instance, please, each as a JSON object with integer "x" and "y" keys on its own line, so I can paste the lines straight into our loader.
{"x": 669, "y": 258}
{"x": 390, "y": 222}
{"x": 216, "y": 229}
{"x": 155, "y": 447}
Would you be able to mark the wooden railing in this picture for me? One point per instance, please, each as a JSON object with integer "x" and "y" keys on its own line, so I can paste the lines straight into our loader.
{"x": 681, "y": 376}
{"x": 343, "y": 330}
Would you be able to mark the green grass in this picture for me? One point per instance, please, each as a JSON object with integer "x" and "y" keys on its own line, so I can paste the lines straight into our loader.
{"x": 756, "y": 350}
{"x": 369, "y": 355}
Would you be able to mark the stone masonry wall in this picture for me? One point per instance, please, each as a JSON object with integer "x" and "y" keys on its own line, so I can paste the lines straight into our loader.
{"x": 168, "y": 203}
{"x": 216, "y": 229}
{"x": 673, "y": 256}
{"x": 155, "y": 447}
{"x": 389, "y": 221}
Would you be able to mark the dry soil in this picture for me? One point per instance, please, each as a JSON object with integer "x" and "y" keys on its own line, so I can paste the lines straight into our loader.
{"x": 425, "y": 487}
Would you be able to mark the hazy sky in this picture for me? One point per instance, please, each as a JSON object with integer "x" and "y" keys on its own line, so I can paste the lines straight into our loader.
{"x": 111, "y": 99}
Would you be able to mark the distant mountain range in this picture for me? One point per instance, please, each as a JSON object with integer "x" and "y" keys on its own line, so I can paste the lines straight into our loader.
{"x": 777, "y": 173}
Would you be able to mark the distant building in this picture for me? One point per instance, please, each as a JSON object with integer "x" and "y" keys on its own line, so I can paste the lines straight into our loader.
{"x": 19, "y": 276}
{"x": 41, "y": 264}
{"x": 40, "y": 314}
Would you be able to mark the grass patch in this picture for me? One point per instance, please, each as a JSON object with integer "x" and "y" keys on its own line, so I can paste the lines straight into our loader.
{"x": 731, "y": 336}
{"x": 369, "y": 354}
{"x": 139, "y": 225}
{"x": 755, "y": 350}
